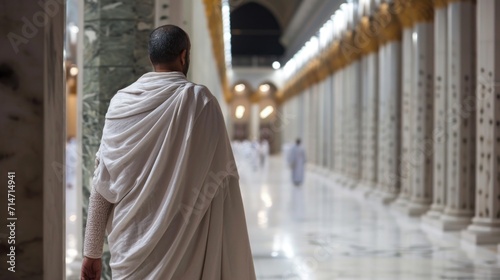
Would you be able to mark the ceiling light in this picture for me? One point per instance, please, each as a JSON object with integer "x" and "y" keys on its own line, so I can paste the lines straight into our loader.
{"x": 266, "y": 112}
{"x": 276, "y": 65}
{"x": 264, "y": 88}
{"x": 239, "y": 87}
{"x": 73, "y": 71}
{"x": 240, "y": 111}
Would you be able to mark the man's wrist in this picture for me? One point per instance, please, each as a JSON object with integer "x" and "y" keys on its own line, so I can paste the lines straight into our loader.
{"x": 91, "y": 258}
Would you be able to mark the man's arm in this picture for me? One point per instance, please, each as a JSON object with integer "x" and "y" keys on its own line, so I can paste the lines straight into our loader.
{"x": 97, "y": 217}
{"x": 99, "y": 210}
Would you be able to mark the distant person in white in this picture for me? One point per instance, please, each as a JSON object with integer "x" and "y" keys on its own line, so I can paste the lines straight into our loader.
{"x": 166, "y": 185}
{"x": 263, "y": 152}
{"x": 297, "y": 162}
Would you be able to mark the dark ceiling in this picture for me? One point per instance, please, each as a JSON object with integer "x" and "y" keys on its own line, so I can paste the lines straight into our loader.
{"x": 256, "y": 29}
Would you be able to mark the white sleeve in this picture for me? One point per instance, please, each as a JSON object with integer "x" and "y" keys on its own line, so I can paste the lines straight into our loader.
{"x": 99, "y": 210}
{"x": 97, "y": 217}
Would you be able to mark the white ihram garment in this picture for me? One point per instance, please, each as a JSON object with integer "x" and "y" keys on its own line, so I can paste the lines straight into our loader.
{"x": 297, "y": 161}
{"x": 166, "y": 164}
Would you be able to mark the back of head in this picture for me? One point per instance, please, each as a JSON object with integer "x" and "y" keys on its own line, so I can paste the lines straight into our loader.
{"x": 166, "y": 43}
{"x": 298, "y": 141}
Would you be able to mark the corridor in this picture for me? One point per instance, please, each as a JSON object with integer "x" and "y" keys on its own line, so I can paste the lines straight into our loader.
{"x": 343, "y": 235}
{"x": 395, "y": 104}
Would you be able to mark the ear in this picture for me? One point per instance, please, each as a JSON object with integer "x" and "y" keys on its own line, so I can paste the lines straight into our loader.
{"x": 183, "y": 57}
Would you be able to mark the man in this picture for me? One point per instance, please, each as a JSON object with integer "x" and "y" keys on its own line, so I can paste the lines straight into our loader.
{"x": 297, "y": 162}
{"x": 166, "y": 185}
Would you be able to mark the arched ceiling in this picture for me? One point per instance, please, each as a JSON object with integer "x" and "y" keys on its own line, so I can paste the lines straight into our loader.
{"x": 283, "y": 10}
{"x": 256, "y": 30}
{"x": 259, "y": 40}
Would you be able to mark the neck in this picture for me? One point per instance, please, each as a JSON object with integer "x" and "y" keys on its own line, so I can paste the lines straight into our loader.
{"x": 166, "y": 68}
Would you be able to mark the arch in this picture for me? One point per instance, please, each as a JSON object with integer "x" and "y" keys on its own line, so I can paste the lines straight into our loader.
{"x": 255, "y": 37}
{"x": 246, "y": 93}
{"x": 259, "y": 95}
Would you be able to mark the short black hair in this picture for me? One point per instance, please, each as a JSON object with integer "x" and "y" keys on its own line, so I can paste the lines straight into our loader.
{"x": 166, "y": 43}
{"x": 298, "y": 141}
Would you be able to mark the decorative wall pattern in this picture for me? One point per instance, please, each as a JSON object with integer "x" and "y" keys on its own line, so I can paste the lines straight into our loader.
{"x": 440, "y": 112}
{"x": 485, "y": 227}
{"x": 404, "y": 171}
{"x": 422, "y": 99}
{"x": 460, "y": 115}
{"x": 388, "y": 142}
{"x": 369, "y": 122}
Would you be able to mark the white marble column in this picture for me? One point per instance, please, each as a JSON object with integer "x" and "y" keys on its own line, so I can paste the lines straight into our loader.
{"x": 389, "y": 121}
{"x": 319, "y": 136}
{"x": 440, "y": 116}
{"x": 406, "y": 120}
{"x": 460, "y": 144}
{"x": 346, "y": 145}
{"x": 324, "y": 128}
{"x": 336, "y": 125}
{"x": 311, "y": 92}
{"x": 420, "y": 154}
{"x": 300, "y": 119}
{"x": 340, "y": 111}
{"x": 307, "y": 107}
{"x": 369, "y": 111}
{"x": 354, "y": 123}
{"x": 329, "y": 109}
{"x": 485, "y": 228}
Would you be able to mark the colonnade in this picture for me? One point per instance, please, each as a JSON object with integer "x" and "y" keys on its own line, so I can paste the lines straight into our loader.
{"x": 404, "y": 105}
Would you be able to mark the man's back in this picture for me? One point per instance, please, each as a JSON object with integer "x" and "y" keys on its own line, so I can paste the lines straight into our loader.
{"x": 165, "y": 182}
{"x": 167, "y": 166}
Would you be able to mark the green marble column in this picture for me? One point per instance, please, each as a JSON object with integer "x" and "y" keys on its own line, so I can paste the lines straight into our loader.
{"x": 115, "y": 55}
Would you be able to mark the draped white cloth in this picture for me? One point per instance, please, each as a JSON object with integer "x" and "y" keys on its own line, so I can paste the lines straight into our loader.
{"x": 167, "y": 166}
{"x": 297, "y": 162}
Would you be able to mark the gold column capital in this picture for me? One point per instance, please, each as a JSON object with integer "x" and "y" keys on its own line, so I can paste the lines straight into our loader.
{"x": 366, "y": 36}
{"x": 402, "y": 9}
{"x": 438, "y": 4}
{"x": 387, "y": 19}
{"x": 422, "y": 10}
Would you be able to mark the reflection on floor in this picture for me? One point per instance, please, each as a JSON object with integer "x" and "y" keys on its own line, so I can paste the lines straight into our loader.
{"x": 338, "y": 234}
{"x": 322, "y": 231}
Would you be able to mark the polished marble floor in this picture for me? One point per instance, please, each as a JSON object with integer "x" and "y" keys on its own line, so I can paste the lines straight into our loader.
{"x": 324, "y": 231}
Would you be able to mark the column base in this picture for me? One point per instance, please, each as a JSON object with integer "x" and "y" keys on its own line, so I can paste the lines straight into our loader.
{"x": 446, "y": 223}
{"x": 363, "y": 187}
{"x": 481, "y": 235}
{"x": 340, "y": 179}
{"x": 453, "y": 220}
{"x": 381, "y": 196}
{"x": 434, "y": 214}
{"x": 324, "y": 171}
{"x": 350, "y": 183}
{"x": 401, "y": 203}
{"x": 414, "y": 209}
{"x": 433, "y": 218}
